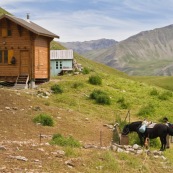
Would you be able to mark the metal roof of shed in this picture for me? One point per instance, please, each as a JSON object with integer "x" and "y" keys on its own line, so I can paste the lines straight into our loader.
{"x": 61, "y": 54}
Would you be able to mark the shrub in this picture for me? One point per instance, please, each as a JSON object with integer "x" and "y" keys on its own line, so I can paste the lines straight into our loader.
{"x": 95, "y": 80}
{"x": 86, "y": 70}
{"x": 146, "y": 110}
{"x": 56, "y": 89}
{"x": 101, "y": 97}
{"x": 165, "y": 95}
{"x": 58, "y": 139}
{"x": 96, "y": 93}
{"x": 154, "y": 92}
{"x": 44, "y": 120}
{"x": 123, "y": 103}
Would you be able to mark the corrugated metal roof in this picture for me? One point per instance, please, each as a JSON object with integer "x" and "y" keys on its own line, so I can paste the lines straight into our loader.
{"x": 61, "y": 54}
{"x": 30, "y": 26}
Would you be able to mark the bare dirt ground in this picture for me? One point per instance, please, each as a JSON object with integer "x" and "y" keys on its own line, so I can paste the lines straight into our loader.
{"x": 22, "y": 149}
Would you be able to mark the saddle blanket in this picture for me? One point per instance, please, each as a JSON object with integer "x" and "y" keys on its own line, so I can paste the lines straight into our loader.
{"x": 151, "y": 125}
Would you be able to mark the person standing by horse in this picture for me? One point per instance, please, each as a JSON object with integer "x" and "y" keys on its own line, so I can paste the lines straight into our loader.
{"x": 166, "y": 121}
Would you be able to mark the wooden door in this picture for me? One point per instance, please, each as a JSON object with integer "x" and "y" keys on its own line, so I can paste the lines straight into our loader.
{"x": 24, "y": 62}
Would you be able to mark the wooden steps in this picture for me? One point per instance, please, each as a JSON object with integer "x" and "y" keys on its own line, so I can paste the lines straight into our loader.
{"x": 22, "y": 82}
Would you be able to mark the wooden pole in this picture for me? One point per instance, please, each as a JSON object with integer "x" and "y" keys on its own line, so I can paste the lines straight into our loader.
{"x": 101, "y": 138}
{"x": 40, "y": 138}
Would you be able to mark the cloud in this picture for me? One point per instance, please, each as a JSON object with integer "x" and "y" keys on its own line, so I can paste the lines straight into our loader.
{"x": 75, "y": 20}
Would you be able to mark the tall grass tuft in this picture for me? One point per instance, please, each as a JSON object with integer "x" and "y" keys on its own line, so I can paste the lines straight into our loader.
{"x": 85, "y": 70}
{"x": 58, "y": 139}
{"x": 44, "y": 120}
{"x": 95, "y": 80}
{"x": 56, "y": 89}
{"x": 101, "y": 97}
{"x": 154, "y": 92}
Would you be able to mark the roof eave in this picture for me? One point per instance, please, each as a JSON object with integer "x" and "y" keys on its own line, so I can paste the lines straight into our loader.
{"x": 30, "y": 29}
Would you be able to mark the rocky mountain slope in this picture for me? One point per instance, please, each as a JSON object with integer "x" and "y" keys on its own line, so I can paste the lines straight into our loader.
{"x": 87, "y": 46}
{"x": 147, "y": 53}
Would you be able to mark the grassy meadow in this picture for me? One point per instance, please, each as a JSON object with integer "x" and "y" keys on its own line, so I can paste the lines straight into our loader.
{"x": 144, "y": 100}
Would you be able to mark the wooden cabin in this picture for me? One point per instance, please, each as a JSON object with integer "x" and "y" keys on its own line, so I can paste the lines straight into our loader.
{"x": 61, "y": 61}
{"x": 24, "y": 50}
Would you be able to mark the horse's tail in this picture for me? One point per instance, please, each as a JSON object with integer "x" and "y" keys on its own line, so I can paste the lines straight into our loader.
{"x": 170, "y": 131}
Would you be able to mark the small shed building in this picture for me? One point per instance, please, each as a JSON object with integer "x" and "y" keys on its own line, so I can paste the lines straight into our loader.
{"x": 61, "y": 61}
{"x": 24, "y": 50}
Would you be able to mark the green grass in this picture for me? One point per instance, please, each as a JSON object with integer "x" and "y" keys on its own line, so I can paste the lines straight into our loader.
{"x": 136, "y": 92}
{"x": 165, "y": 82}
{"x": 60, "y": 140}
{"x": 121, "y": 88}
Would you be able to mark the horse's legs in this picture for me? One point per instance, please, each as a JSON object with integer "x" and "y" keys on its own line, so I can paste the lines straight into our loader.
{"x": 163, "y": 142}
{"x": 141, "y": 139}
{"x": 164, "y": 139}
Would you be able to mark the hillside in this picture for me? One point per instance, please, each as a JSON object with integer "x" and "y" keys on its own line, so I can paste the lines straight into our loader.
{"x": 3, "y": 11}
{"x": 149, "y": 53}
{"x": 80, "y": 117}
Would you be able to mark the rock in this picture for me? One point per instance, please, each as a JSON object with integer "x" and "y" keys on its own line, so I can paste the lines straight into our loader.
{"x": 3, "y": 168}
{"x": 89, "y": 146}
{"x": 114, "y": 148}
{"x": 14, "y": 108}
{"x": 69, "y": 163}
{"x": 8, "y": 108}
{"x": 2, "y": 148}
{"x": 157, "y": 153}
{"x": 99, "y": 167}
{"x": 19, "y": 158}
{"x": 109, "y": 126}
{"x": 136, "y": 146}
{"x": 139, "y": 151}
{"x": 131, "y": 150}
{"x": 119, "y": 150}
{"x": 59, "y": 153}
{"x": 156, "y": 157}
{"x": 41, "y": 149}
{"x": 37, "y": 108}
{"x": 164, "y": 158}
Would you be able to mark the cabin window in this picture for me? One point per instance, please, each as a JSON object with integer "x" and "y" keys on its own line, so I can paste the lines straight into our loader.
{"x": 56, "y": 64}
{"x": 9, "y": 32}
{"x": 6, "y": 56}
{"x": 6, "y": 32}
{"x": 60, "y": 65}
{"x": 0, "y": 56}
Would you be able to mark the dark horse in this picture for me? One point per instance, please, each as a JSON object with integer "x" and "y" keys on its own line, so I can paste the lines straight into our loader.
{"x": 159, "y": 130}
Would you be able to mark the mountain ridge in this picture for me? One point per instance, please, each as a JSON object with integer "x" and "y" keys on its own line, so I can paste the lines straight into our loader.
{"x": 146, "y": 53}
{"x": 85, "y": 46}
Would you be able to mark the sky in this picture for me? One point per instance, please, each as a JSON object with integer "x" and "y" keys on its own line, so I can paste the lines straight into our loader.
{"x": 85, "y": 20}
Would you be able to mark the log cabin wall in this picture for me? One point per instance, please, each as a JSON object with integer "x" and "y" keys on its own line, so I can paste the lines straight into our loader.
{"x": 42, "y": 58}
{"x": 24, "y": 49}
{"x": 15, "y": 41}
